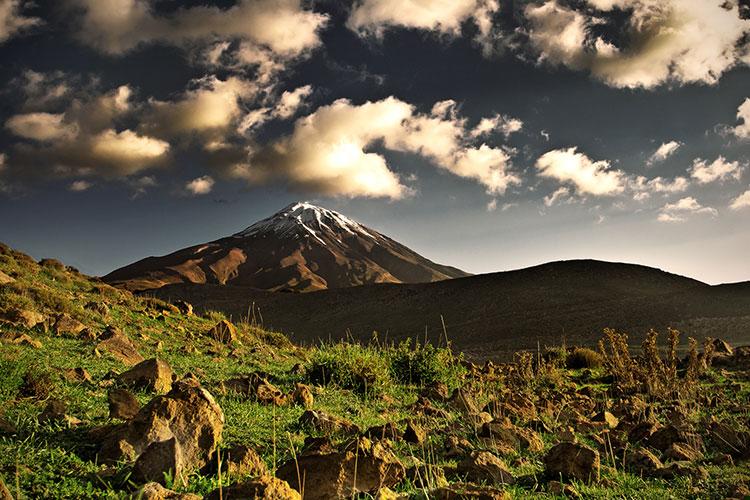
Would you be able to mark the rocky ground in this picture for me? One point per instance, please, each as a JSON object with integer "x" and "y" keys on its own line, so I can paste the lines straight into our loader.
{"x": 105, "y": 395}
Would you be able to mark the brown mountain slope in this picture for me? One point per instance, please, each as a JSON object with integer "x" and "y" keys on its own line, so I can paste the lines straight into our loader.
{"x": 493, "y": 314}
{"x": 300, "y": 248}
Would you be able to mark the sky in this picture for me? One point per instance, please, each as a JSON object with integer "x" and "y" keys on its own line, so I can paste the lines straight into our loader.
{"x": 485, "y": 134}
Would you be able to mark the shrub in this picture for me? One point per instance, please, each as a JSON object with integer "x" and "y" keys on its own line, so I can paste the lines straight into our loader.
{"x": 582, "y": 357}
{"x": 425, "y": 365}
{"x": 362, "y": 369}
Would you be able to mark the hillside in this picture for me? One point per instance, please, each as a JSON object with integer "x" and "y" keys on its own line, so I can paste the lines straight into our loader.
{"x": 492, "y": 315}
{"x": 108, "y": 395}
{"x": 300, "y": 248}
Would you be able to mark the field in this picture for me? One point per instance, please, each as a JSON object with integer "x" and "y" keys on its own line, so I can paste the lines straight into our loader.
{"x": 364, "y": 420}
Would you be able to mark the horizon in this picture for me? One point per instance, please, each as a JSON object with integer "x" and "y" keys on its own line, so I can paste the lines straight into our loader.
{"x": 483, "y": 135}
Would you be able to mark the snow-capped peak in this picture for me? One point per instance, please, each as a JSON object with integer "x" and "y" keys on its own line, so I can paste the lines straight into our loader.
{"x": 303, "y": 218}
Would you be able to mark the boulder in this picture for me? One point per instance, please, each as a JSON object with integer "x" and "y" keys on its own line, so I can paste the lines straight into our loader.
{"x": 264, "y": 487}
{"x": 729, "y": 439}
{"x": 67, "y": 325}
{"x": 360, "y": 467}
{"x": 241, "y": 460}
{"x": 122, "y": 404}
{"x": 153, "y": 374}
{"x": 663, "y": 438}
{"x": 509, "y": 438}
{"x": 18, "y": 338}
{"x": 643, "y": 431}
{"x": 683, "y": 452}
{"x": 224, "y": 332}
{"x": 323, "y": 422}
{"x": 643, "y": 462}
{"x": 161, "y": 458}
{"x": 155, "y": 491}
{"x": 56, "y": 411}
{"x": 484, "y": 467}
{"x": 464, "y": 402}
{"x": 187, "y": 420}
{"x": 116, "y": 343}
{"x": 571, "y": 460}
{"x": 26, "y": 318}
{"x": 303, "y": 395}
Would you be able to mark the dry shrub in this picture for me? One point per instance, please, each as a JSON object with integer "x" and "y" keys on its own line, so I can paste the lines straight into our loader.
{"x": 582, "y": 357}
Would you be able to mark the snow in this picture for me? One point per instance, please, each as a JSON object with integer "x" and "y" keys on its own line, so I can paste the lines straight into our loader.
{"x": 302, "y": 218}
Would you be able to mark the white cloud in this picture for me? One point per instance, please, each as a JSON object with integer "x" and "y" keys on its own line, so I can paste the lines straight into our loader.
{"x": 742, "y": 201}
{"x": 667, "y": 41}
{"x": 492, "y": 205}
{"x": 200, "y": 185}
{"x": 645, "y": 187}
{"x": 42, "y": 126}
{"x": 587, "y": 177}
{"x": 12, "y": 20}
{"x": 719, "y": 170}
{"x": 330, "y": 150}
{"x": 664, "y": 151}
{"x": 560, "y": 194}
{"x": 743, "y": 115}
{"x": 504, "y": 124}
{"x": 680, "y": 210}
{"x": 291, "y": 101}
{"x": 79, "y": 186}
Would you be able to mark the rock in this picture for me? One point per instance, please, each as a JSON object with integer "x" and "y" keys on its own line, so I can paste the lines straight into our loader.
{"x": 606, "y": 419}
{"x": 462, "y": 491}
{"x": 389, "y": 494}
{"x": 464, "y": 402}
{"x": 78, "y": 375}
{"x": 122, "y": 404}
{"x": 683, "y": 452}
{"x": 361, "y": 467}
{"x": 456, "y": 447}
{"x": 663, "y": 438}
{"x": 437, "y": 391}
{"x": 682, "y": 469}
{"x": 722, "y": 347}
{"x": 257, "y": 387}
{"x": 26, "y": 318}
{"x": 729, "y": 440}
{"x": 159, "y": 459}
{"x": 55, "y": 411}
{"x": 188, "y": 414}
{"x": 224, "y": 332}
{"x": 6, "y": 427}
{"x": 99, "y": 308}
{"x": 116, "y": 343}
{"x": 264, "y": 487}
{"x": 67, "y": 325}
{"x": 303, "y": 396}
{"x": 509, "y": 438}
{"x": 575, "y": 461}
{"x": 643, "y": 462}
{"x": 385, "y": 431}
{"x": 153, "y": 374}
{"x": 484, "y": 467}
{"x": 20, "y": 339}
{"x": 4, "y": 492}
{"x": 414, "y": 434}
{"x": 564, "y": 490}
{"x": 155, "y": 491}
{"x": 642, "y": 431}
{"x": 5, "y": 279}
{"x": 323, "y": 422}
{"x": 242, "y": 460}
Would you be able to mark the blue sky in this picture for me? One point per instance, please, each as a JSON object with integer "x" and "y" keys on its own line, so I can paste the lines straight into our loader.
{"x": 485, "y": 135}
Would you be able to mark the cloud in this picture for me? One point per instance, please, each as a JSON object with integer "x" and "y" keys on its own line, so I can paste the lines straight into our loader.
{"x": 331, "y": 150}
{"x": 665, "y": 41}
{"x": 41, "y": 126}
{"x": 743, "y": 115}
{"x": 644, "y": 187}
{"x": 680, "y": 210}
{"x": 560, "y": 194}
{"x": 742, "y": 201}
{"x": 12, "y": 20}
{"x": 576, "y": 169}
{"x": 374, "y": 17}
{"x": 664, "y": 151}
{"x": 41, "y": 90}
{"x": 285, "y": 27}
{"x": 79, "y": 186}
{"x": 287, "y": 106}
{"x": 200, "y": 185}
{"x": 719, "y": 170}
{"x": 506, "y": 125}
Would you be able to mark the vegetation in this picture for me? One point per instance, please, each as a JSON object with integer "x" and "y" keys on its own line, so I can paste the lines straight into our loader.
{"x": 516, "y": 411}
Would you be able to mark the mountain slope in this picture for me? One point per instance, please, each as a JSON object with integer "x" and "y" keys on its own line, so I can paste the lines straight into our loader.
{"x": 494, "y": 314}
{"x": 300, "y": 248}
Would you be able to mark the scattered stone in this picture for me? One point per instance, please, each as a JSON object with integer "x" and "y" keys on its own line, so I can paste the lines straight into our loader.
{"x": 67, "y": 325}
{"x": 567, "y": 434}
{"x": 730, "y": 440}
{"x": 361, "y": 467}
{"x": 463, "y": 401}
{"x": 457, "y": 447}
{"x": 5, "y": 279}
{"x": 303, "y": 396}
{"x": 20, "y": 339}
{"x": 122, "y": 404}
{"x": 463, "y": 491}
{"x": 414, "y": 434}
{"x": 722, "y": 347}
{"x": 188, "y": 415}
{"x": 153, "y": 374}
{"x": 116, "y": 343}
{"x": 25, "y": 318}
{"x": 663, "y": 438}
{"x": 385, "y": 431}
{"x": 264, "y": 487}
{"x": 643, "y": 462}
{"x": 509, "y": 438}
{"x": 323, "y": 422}
{"x": 483, "y": 466}
{"x": 185, "y": 308}
{"x": 683, "y": 452}
{"x": 256, "y": 387}
{"x": 681, "y": 469}
{"x": 642, "y": 431}
{"x": 241, "y": 460}
{"x": 389, "y": 494}
{"x": 606, "y": 419}
{"x": 564, "y": 490}
{"x": 99, "y": 308}
{"x": 224, "y": 332}
{"x": 155, "y": 491}
{"x": 437, "y": 391}
{"x": 575, "y": 461}
{"x": 79, "y": 375}
{"x": 56, "y": 411}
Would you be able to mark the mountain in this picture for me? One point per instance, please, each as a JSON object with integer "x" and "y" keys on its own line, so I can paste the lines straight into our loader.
{"x": 301, "y": 248}
{"x": 492, "y": 315}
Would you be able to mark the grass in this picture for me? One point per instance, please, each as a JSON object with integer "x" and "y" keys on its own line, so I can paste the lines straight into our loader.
{"x": 369, "y": 385}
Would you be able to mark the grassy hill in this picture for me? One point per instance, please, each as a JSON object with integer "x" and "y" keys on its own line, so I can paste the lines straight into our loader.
{"x": 417, "y": 419}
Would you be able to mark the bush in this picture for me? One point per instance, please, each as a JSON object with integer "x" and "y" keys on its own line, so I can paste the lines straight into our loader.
{"x": 425, "y": 365}
{"x": 362, "y": 369}
{"x": 582, "y": 357}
